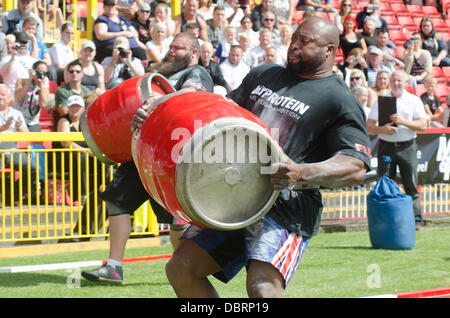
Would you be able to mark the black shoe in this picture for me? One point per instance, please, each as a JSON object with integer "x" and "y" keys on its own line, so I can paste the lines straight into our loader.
{"x": 105, "y": 273}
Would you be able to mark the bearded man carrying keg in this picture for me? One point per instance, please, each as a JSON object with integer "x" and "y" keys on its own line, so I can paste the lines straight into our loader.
{"x": 126, "y": 192}
{"x": 323, "y": 133}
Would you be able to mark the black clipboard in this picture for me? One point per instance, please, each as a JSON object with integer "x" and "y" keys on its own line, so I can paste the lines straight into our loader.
{"x": 387, "y": 105}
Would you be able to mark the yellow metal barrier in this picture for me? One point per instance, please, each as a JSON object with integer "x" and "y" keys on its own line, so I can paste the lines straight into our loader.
{"x": 39, "y": 200}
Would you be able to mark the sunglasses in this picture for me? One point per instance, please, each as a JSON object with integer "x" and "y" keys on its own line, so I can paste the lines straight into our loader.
{"x": 355, "y": 78}
{"x": 75, "y": 71}
{"x": 144, "y": 11}
{"x": 271, "y": 20}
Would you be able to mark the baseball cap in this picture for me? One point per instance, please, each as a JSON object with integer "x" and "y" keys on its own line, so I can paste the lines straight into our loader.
{"x": 374, "y": 50}
{"x": 144, "y": 6}
{"x": 21, "y": 37}
{"x": 109, "y": 2}
{"x": 88, "y": 44}
{"x": 121, "y": 42}
{"x": 75, "y": 100}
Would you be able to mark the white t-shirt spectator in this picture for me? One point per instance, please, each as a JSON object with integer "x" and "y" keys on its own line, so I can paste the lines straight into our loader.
{"x": 61, "y": 54}
{"x": 234, "y": 74}
{"x": 165, "y": 47}
{"x": 21, "y": 69}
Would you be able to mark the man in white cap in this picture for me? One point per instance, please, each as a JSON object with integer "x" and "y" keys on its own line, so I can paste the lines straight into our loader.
{"x": 374, "y": 61}
{"x": 121, "y": 65}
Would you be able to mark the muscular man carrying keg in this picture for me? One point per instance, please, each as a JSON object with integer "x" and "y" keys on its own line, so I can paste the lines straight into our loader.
{"x": 323, "y": 134}
{"x": 126, "y": 193}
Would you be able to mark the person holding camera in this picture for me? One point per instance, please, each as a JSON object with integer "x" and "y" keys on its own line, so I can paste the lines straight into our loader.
{"x": 31, "y": 94}
{"x": 317, "y": 5}
{"x": 121, "y": 65}
{"x": 373, "y": 11}
{"x": 19, "y": 63}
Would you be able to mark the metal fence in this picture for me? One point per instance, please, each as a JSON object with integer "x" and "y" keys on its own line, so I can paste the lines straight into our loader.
{"x": 351, "y": 203}
{"x": 39, "y": 200}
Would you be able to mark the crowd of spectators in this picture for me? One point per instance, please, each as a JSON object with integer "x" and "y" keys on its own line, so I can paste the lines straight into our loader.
{"x": 235, "y": 36}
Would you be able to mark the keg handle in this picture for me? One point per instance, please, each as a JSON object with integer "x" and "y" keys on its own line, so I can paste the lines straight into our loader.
{"x": 159, "y": 80}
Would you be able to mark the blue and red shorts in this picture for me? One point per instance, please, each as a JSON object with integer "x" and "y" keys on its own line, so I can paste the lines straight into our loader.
{"x": 265, "y": 241}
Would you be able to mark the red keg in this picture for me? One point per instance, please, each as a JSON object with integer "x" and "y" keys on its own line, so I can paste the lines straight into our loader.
{"x": 106, "y": 123}
{"x": 202, "y": 157}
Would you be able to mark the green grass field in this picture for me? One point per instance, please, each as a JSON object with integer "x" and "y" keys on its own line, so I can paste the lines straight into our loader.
{"x": 334, "y": 265}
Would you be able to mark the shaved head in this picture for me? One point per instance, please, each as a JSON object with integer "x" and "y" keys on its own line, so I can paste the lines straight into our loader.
{"x": 323, "y": 30}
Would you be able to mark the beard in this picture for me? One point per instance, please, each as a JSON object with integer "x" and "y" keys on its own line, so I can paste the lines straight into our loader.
{"x": 304, "y": 67}
{"x": 168, "y": 68}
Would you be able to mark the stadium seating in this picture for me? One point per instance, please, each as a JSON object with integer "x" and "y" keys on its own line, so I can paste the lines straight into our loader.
{"x": 439, "y": 24}
{"x": 431, "y": 12}
{"x": 417, "y": 20}
{"x": 385, "y": 9}
{"x": 297, "y": 17}
{"x": 399, "y": 9}
{"x": 408, "y": 23}
{"x": 441, "y": 92}
{"x": 323, "y": 15}
{"x": 53, "y": 86}
{"x": 392, "y": 22}
{"x": 362, "y": 4}
{"x": 415, "y": 10}
{"x": 438, "y": 74}
{"x": 419, "y": 89}
{"x": 446, "y": 71}
{"x": 339, "y": 56}
{"x": 399, "y": 37}
{"x": 399, "y": 51}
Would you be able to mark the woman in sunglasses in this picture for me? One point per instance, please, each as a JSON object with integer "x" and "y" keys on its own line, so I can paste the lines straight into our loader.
{"x": 345, "y": 10}
{"x": 357, "y": 78}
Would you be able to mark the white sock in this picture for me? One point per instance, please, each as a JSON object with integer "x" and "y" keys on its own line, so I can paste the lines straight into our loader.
{"x": 114, "y": 263}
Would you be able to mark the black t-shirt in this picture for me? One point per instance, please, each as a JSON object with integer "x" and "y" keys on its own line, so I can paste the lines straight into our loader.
{"x": 316, "y": 119}
{"x": 433, "y": 104}
{"x": 194, "y": 76}
{"x": 347, "y": 45}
